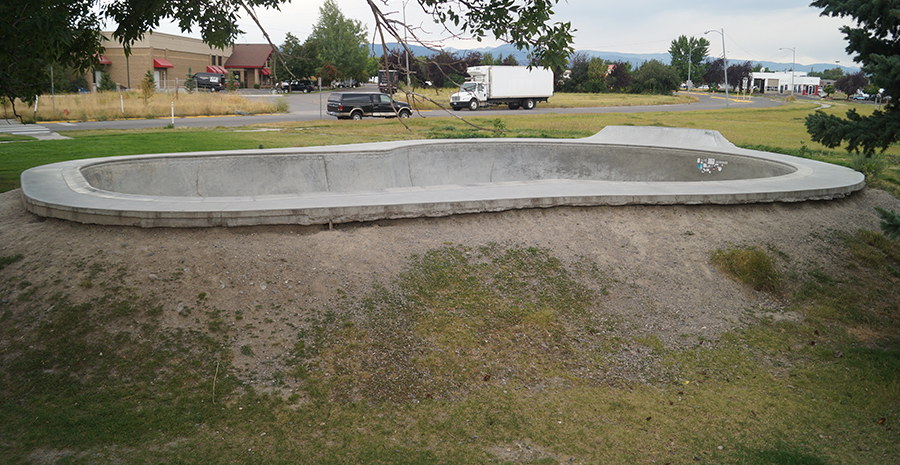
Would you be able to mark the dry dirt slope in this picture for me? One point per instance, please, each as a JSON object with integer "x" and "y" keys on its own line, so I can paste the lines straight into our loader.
{"x": 655, "y": 262}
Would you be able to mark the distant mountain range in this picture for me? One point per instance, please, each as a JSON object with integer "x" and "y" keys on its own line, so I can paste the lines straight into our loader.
{"x": 634, "y": 58}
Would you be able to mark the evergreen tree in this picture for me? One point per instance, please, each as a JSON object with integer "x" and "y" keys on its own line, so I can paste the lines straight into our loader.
{"x": 190, "y": 84}
{"x": 890, "y": 223}
{"x": 876, "y": 42}
{"x": 106, "y": 83}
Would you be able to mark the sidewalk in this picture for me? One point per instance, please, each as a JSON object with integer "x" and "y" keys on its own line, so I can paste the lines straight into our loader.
{"x": 12, "y": 126}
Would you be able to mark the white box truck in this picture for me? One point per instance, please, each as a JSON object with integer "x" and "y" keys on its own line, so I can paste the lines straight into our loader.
{"x": 515, "y": 86}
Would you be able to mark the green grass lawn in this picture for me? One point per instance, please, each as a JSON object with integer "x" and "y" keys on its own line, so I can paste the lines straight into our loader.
{"x": 73, "y": 390}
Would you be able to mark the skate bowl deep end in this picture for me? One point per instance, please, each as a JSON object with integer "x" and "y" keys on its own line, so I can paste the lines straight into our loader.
{"x": 426, "y": 178}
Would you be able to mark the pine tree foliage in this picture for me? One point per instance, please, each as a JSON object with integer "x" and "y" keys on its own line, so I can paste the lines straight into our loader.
{"x": 890, "y": 223}
{"x": 875, "y": 41}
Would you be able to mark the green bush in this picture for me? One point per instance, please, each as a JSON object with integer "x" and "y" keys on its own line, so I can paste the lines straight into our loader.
{"x": 749, "y": 265}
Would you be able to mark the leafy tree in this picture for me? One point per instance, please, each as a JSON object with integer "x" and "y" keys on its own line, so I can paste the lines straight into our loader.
{"x": 510, "y": 60}
{"x": 341, "y": 41}
{"x": 619, "y": 78}
{"x": 38, "y": 34}
{"x": 597, "y": 70}
{"x": 851, "y": 83}
{"x": 738, "y": 72}
{"x": 832, "y": 74}
{"x": 523, "y": 23}
{"x": 578, "y": 75}
{"x": 302, "y": 60}
{"x": 876, "y": 42}
{"x": 691, "y": 51}
{"x": 654, "y": 77}
{"x": 106, "y": 83}
{"x": 715, "y": 73}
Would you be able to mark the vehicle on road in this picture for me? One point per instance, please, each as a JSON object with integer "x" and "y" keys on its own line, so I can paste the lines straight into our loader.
{"x": 357, "y": 105}
{"x": 298, "y": 85}
{"x": 388, "y": 80}
{"x": 514, "y": 86}
{"x": 213, "y": 82}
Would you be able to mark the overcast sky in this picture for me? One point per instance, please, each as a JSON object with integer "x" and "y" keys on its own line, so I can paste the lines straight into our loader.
{"x": 754, "y": 30}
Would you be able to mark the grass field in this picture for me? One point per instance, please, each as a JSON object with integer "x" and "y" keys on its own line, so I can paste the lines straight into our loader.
{"x": 72, "y": 391}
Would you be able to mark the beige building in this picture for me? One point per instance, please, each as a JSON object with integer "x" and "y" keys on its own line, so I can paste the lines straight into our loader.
{"x": 167, "y": 56}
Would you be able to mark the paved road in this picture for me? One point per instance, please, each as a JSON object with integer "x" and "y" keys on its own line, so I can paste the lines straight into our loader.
{"x": 309, "y": 107}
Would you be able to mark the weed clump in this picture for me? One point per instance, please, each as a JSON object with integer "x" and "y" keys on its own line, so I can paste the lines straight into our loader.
{"x": 749, "y": 265}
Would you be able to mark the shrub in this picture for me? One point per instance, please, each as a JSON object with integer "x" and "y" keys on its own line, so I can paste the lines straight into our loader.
{"x": 749, "y": 265}
{"x": 871, "y": 165}
{"x": 148, "y": 87}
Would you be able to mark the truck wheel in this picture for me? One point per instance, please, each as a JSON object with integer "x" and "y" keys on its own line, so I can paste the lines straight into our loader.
{"x": 513, "y": 105}
{"x": 356, "y": 116}
{"x": 456, "y": 108}
{"x": 473, "y": 105}
{"x": 528, "y": 104}
{"x": 404, "y": 114}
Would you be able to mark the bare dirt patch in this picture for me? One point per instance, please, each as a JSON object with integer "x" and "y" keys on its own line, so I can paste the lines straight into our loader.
{"x": 262, "y": 282}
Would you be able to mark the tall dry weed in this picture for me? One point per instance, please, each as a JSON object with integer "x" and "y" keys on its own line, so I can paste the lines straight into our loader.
{"x": 103, "y": 106}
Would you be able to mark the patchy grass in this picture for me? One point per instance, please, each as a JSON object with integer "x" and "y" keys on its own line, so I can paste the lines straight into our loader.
{"x": 494, "y": 354}
{"x": 750, "y": 266}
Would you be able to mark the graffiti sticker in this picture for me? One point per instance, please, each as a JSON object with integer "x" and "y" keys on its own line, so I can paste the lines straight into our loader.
{"x": 710, "y": 165}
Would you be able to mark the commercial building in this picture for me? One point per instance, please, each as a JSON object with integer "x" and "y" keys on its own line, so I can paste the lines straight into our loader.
{"x": 170, "y": 58}
{"x": 780, "y": 83}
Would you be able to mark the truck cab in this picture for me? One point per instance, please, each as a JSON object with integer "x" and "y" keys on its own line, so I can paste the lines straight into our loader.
{"x": 470, "y": 95}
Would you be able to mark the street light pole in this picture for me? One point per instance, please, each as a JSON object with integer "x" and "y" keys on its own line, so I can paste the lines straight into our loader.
{"x": 793, "y": 64}
{"x": 724, "y": 60}
{"x": 690, "y": 52}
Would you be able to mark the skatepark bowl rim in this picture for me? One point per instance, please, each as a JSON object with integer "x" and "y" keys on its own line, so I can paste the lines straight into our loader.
{"x": 620, "y": 165}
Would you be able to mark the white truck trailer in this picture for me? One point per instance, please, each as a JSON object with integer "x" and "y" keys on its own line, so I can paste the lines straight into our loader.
{"x": 515, "y": 86}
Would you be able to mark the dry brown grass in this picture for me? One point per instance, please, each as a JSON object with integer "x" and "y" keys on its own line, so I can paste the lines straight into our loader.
{"x": 103, "y": 106}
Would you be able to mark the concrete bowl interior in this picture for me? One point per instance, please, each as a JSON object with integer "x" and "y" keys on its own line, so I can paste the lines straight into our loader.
{"x": 364, "y": 182}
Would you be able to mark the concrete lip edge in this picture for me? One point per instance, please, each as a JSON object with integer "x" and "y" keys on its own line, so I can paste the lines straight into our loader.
{"x": 60, "y": 191}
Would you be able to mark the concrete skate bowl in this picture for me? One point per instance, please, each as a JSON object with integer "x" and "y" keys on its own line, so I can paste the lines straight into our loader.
{"x": 407, "y": 179}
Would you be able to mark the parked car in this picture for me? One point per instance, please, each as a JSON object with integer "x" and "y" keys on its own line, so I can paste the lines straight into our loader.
{"x": 356, "y": 105}
{"x": 348, "y": 83}
{"x": 298, "y": 85}
{"x": 213, "y": 82}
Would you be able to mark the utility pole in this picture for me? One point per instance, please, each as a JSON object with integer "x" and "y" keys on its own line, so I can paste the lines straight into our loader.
{"x": 724, "y": 61}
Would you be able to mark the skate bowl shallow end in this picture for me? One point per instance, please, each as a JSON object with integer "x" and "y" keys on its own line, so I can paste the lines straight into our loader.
{"x": 426, "y": 178}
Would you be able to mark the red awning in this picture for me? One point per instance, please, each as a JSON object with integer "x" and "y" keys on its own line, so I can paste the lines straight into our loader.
{"x": 216, "y": 69}
{"x": 104, "y": 60}
{"x": 265, "y": 72}
{"x": 162, "y": 63}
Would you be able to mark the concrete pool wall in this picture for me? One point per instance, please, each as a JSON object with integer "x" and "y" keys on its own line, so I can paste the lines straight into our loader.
{"x": 364, "y": 182}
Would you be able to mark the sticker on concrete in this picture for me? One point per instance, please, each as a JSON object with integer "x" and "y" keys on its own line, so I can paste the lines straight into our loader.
{"x": 710, "y": 165}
